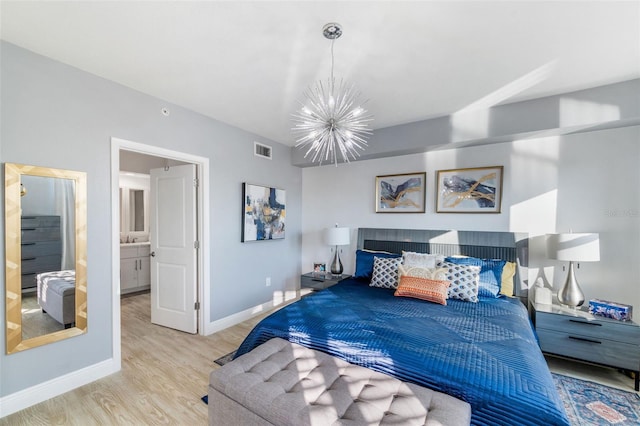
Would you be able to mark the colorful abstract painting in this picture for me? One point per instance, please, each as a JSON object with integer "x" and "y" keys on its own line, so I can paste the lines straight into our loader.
{"x": 264, "y": 213}
{"x": 475, "y": 190}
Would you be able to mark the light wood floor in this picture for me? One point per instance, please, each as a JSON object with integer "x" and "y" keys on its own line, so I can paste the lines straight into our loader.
{"x": 165, "y": 372}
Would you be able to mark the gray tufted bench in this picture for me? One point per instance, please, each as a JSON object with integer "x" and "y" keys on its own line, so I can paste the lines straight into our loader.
{"x": 282, "y": 383}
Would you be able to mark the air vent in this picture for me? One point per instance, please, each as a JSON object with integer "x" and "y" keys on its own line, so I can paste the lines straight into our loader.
{"x": 261, "y": 150}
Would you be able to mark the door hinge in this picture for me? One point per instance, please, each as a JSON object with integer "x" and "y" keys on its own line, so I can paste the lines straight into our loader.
{"x": 196, "y": 182}
{"x": 196, "y": 244}
{"x": 196, "y": 306}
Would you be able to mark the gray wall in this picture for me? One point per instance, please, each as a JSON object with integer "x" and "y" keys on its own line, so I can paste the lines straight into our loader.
{"x": 585, "y": 182}
{"x": 57, "y": 116}
{"x": 610, "y": 106}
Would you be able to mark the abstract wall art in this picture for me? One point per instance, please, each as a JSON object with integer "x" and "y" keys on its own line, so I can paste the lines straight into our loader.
{"x": 474, "y": 190}
{"x": 404, "y": 193}
{"x": 264, "y": 213}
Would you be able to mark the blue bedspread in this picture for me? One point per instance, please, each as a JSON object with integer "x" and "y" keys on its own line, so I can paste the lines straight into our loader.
{"x": 484, "y": 353}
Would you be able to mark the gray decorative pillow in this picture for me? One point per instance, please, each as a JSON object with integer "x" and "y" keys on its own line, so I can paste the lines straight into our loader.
{"x": 421, "y": 260}
{"x": 385, "y": 272}
{"x": 465, "y": 281}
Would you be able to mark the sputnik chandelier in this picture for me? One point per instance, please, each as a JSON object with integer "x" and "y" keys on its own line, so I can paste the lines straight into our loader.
{"x": 331, "y": 121}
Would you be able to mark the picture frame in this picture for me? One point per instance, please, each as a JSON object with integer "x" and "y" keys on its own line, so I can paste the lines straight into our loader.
{"x": 401, "y": 193}
{"x": 319, "y": 268}
{"x": 263, "y": 213}
{"x": 470, "y": 190}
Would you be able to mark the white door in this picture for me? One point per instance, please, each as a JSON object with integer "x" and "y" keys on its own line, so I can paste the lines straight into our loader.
{"x": 173, "y": 235}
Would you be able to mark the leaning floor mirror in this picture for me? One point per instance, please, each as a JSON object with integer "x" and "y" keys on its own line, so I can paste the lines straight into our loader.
{"x": 46, "y": 255}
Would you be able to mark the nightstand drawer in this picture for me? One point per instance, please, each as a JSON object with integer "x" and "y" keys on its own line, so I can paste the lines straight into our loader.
{"x": 314, "y": 283}
{"x": 598, "y": 329}
{"x": 589, "y": 348}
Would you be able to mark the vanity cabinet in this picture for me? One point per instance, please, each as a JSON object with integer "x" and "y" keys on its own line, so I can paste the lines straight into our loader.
{"x": 41, "y": 248}
{"x": 135, "y": 268}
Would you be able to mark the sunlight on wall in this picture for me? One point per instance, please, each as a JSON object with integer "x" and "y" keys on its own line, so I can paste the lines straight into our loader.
{"x": 472, "y": 121}
{"x": 533, "y": 173}
{"x": 450, "y": 237}
{"x": 537, "y": 214}
{"x": 280, "y": 297}
{"x": 576, "y": 112}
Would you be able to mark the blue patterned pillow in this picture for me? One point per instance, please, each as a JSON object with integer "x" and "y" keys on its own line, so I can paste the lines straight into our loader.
{"x": 385, "y": 272}
{"x": 490, "y": 273}
{"x": 364, "y": 262}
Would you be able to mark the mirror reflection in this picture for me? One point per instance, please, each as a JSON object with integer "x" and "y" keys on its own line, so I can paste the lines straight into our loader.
{"x": 136, "y": 206}
{"x": 45, "y": 255}
{"x": 47, "y": 225}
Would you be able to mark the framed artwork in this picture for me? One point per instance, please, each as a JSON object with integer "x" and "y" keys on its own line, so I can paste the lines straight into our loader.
{"x": 319, "y": 267}
{"x": 403, "y": 193}
{"x": 263, "y": 211}
{"x": 474, "y": 190}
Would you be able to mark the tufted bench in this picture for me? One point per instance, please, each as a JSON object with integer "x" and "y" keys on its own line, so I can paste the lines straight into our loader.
{"x": 282, "y": 383}
{"x": 57, "y": 295}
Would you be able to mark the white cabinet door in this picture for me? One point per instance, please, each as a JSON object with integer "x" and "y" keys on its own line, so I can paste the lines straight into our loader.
{"x": 128, "y": 274}
{"x": 144, "y": 272}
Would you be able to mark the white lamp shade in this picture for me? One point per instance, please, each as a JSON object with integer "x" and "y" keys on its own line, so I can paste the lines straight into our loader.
{"x": 337, "y": 236}
{"x": 574, "y": 247}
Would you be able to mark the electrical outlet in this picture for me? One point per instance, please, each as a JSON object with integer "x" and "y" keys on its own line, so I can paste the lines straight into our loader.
{"x": 268, "y": 281}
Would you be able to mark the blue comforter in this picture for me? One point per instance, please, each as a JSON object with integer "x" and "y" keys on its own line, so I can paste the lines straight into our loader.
{"x": 484, "y": 353}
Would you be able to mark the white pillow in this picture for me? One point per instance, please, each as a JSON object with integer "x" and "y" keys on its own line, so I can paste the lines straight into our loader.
{"x": 421, "y": 260}
{"x": 439, "y": 274}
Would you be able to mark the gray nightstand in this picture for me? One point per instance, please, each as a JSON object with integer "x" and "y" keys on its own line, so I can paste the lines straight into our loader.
{"x": 579, "y": 335}
{"x": 320, "y": 281}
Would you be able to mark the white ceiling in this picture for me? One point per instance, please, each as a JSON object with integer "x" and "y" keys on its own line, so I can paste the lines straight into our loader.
{"x": 248, "y": 63}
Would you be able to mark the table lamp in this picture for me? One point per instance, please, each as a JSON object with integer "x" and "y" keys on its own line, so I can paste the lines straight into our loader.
{"x": 337, "y": 237}
{"x": 580, "y": 247}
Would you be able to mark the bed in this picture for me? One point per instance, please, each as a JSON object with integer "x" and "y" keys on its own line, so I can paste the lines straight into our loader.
{"x": 484, "y": 353}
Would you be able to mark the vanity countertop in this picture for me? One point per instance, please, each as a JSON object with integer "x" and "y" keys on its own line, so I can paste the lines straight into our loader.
{"x": 141, "y": 243}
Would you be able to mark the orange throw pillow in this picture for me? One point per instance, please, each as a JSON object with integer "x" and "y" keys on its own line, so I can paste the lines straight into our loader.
{"x": 423, "y": 288}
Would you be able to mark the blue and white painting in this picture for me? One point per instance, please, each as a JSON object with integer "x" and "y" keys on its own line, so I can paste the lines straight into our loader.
{"x": 403, "y": 193}
{"x": 264, "y": 213}
{"x": 475, "y": 190}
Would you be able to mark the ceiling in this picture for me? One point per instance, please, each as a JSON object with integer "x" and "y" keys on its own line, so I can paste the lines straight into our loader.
{"x": 248, "y": 63}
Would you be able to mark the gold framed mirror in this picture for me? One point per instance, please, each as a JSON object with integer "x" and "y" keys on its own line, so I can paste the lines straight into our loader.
{"x": 45, "y": 255}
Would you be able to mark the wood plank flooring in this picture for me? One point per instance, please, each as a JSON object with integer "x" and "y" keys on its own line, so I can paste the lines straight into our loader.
{"x": 165, "y": 372}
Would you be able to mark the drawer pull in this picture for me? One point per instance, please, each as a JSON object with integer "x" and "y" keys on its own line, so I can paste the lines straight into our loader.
{"x": 29, "y": 229}
{"x": 29, "y": 258}
{"x": 582, "y": 339}
{"x": 317, "y": 279}
{"x": 28, "y": 244}
{"x": 587, "y": 323}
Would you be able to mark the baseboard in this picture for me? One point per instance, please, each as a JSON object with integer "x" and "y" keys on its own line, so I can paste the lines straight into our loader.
{"x": 237, "y": 318}
{"x": 41, "y": 392}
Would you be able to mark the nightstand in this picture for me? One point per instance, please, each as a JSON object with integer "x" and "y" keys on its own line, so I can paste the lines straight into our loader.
{"x": 576, "y": 334}
{"x": 320, "y": 281}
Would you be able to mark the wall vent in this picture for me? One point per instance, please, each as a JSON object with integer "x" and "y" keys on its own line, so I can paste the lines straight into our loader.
{"x": 261, "y": 150}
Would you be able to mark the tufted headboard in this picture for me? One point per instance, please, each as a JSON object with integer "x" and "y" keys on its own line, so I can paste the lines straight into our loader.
{"x": 509, "y": 246}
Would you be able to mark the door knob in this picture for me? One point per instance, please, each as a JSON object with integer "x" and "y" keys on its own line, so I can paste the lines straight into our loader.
{"x": 152, "y": 254}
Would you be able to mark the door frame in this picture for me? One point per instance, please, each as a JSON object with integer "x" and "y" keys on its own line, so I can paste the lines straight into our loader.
{"x": 202, "y": 218}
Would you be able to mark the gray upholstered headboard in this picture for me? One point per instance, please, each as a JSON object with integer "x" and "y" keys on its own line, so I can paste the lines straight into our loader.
{"x": 510, "y": 246}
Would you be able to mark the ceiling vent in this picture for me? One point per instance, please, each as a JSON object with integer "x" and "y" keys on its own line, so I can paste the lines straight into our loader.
{"x": 261, "y": 150}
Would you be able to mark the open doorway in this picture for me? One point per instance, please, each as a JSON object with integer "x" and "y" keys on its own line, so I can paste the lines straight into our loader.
{"x": 131, "y": 187}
